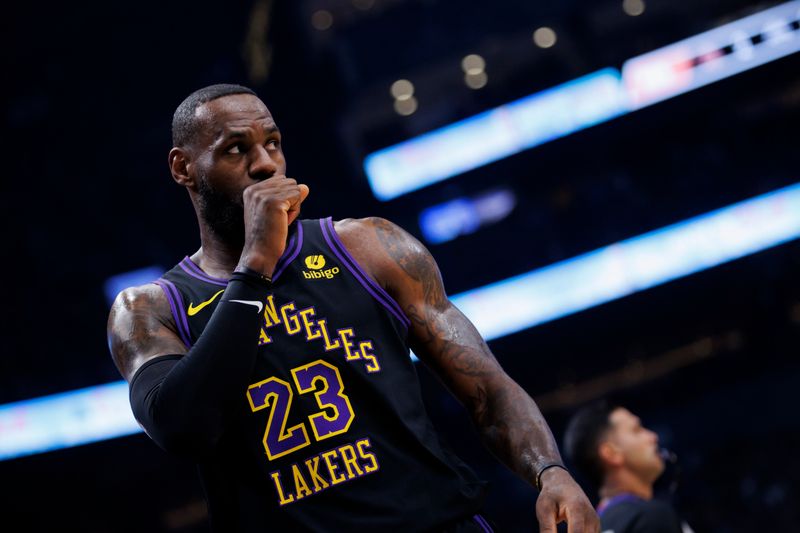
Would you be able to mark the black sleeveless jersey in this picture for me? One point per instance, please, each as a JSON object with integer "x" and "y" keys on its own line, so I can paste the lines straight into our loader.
{"x": 331, "y": 433}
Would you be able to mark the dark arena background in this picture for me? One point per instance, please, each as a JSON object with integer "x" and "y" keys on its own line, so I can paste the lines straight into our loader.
{"x": 560, "y": 137}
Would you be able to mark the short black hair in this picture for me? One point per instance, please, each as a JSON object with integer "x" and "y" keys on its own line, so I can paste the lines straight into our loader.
{"x": 585, "y": 430}
{"x": 184, "y": 122}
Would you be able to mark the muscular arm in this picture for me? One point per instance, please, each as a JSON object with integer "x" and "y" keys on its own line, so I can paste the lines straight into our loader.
{"x": 140, "y": 328}
{"x": 444, "y": 339}
{"x": 507, "y": 418}
{"x": 183, "y": 398}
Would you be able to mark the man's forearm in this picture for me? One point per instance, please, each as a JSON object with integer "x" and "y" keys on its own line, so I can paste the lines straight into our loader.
{"x": 514, "y": 429}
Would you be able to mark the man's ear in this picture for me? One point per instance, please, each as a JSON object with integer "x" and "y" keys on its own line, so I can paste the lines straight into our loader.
{"x": 610, "y": 454}
{"x": 179, "y": 167}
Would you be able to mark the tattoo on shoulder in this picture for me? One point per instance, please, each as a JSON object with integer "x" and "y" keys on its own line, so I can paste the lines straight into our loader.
{"x": 140, "y": 321}
{"x": 438, "y": 327}
{"x": 413, "y": 258}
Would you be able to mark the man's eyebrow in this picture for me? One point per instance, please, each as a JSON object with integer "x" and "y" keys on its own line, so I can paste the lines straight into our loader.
{"x": 239, "y": 134}
{"x": 234, "y": 135}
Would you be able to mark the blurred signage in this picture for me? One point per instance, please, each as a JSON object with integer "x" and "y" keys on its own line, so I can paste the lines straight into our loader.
{"x": 462, "y": 216}
{"x": 495, "y": 134}
{"x": 712, "y": 56}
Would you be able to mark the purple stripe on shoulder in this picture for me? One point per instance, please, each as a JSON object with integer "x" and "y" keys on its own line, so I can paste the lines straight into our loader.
{"x": 182, "y": 321}
{"x": 177, "y": 309}
{"x": 290, "y": 256}
{"x": 338, "y": 248}
{"x": 282, "y": 260}
{"x": 483, "y": 523}
{"x": 193, "y": 270}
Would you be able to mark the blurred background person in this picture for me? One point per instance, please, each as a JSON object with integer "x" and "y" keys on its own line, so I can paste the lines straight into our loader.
{"x": 621, "y": 458}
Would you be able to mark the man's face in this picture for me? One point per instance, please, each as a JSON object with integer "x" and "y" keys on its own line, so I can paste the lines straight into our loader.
{"x": 636, "y": 447}
{"x": 239, "y": 145}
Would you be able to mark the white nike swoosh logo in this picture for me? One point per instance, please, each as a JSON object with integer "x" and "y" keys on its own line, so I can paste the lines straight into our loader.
{"x": 259, "y": 305}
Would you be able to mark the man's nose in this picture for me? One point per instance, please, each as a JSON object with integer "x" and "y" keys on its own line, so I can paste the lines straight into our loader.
{"x": 262, "y": 165}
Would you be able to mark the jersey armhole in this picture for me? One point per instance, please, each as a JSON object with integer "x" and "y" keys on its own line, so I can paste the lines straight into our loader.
{"x": 176, "y": 305}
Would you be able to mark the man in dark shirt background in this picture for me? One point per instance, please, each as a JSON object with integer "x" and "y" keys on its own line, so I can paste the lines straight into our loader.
{"x": 611, "y": 449}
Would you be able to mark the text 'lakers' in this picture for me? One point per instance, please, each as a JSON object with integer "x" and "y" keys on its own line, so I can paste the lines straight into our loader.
{"x": 324, "y": 470}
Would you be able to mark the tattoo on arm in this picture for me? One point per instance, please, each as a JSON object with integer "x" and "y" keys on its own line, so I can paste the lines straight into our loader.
{"x": 414, "y": 259}
{"x": 503, "y": 412}
{"x": 438, "y": 326}
{"x": 140, "y": 327}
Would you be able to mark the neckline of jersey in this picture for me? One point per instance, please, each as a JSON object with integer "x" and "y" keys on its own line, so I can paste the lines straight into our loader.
{"x": 289, "y": 254}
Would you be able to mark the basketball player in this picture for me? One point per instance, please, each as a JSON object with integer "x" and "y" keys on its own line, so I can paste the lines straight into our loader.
{"x": 616, "y": 453}
{"x": 277, "y": 355}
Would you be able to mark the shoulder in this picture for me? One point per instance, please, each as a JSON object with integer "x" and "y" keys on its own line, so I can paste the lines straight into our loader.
{"x": 137, "y": 315}
{"x": 388, "y": 240}
{"x": 354, "y": 230}
{"x": 148, "y": 299}
{"x": 387, "y": 252}
{"x": 377, "y": 243}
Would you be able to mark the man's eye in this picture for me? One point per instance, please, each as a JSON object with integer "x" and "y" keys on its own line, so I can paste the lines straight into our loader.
{"x": 235, "y": 149}
{"x": 273, "y": 143}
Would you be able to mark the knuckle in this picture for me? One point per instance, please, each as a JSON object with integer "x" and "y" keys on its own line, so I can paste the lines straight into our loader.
{"x": 543, "y": 507}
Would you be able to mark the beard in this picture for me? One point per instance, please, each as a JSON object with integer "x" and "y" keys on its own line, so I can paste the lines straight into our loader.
{"x": 223, "y": 215}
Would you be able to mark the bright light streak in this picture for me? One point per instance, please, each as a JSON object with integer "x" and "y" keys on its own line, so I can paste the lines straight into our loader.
{"x": 495, "y": 134}
{"x": 633, "y": 265}
{"x": 64, "y": 420}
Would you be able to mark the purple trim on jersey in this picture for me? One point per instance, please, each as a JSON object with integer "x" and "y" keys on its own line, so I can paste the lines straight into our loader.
{"x": 176, "y": 304}
{"x": 193, "y": 270}
{"x": 339, "y": 249}
{"x": 483, "y": 523}
{"x": 619, "y": 498}
{"x": 289, "y": 255}
{"x": 281, "y": 264}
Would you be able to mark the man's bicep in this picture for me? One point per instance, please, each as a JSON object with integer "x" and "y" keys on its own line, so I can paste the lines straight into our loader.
{"x": 139, "y": 329}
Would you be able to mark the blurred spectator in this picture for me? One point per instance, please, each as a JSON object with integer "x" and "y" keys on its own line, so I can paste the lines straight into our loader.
{"x": 621, "y": 458}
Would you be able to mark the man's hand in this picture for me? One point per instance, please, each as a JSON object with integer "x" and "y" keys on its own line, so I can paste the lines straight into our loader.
{"x": 562, "y": 499}
{"x": 269, "y": 207}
